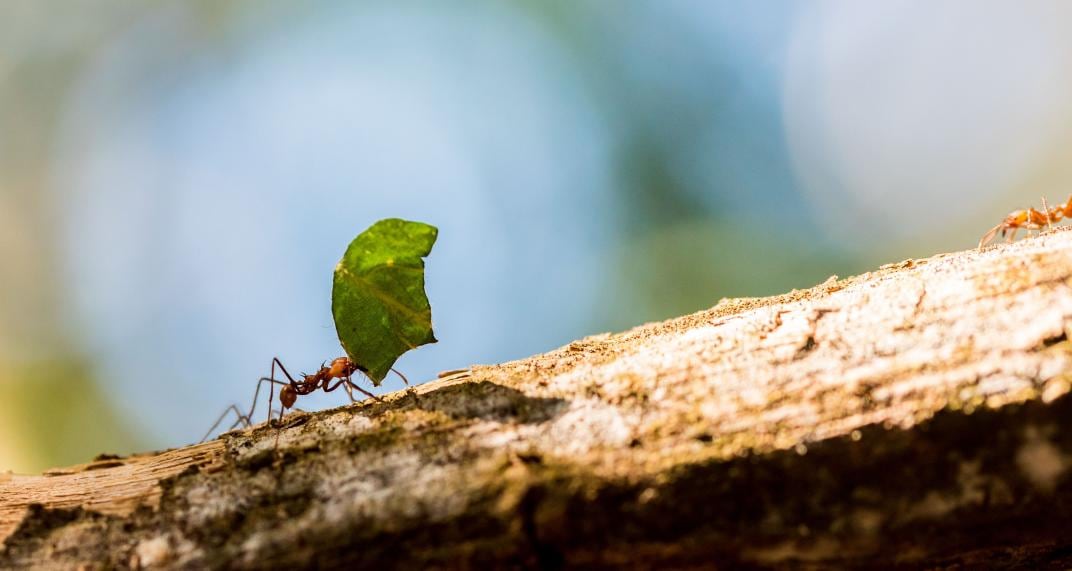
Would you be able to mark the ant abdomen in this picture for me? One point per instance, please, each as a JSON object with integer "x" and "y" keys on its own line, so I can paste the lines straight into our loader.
{"x": 287, "y": 397}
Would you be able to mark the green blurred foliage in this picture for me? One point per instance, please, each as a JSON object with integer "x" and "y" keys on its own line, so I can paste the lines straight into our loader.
{"x": 63, "y": 417}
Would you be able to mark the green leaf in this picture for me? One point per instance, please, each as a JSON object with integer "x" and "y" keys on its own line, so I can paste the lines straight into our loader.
{"x": 378, "y": 299}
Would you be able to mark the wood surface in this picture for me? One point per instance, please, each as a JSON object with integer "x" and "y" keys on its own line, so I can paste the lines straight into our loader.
{"x": 912, "y": 416}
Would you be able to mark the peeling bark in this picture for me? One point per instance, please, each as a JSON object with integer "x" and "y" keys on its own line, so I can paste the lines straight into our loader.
{"x": 914, "y": 416}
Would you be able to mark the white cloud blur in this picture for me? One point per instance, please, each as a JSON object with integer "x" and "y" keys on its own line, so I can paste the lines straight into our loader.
{"x": 905, "y": 116}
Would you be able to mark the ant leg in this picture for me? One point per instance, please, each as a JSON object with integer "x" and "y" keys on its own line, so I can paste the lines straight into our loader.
{"x": 989, "y": 236}
{"x": 345, "y": 386}
{"x": 279, "y": 426}
{"x": 276, "y": 361}
{"x": 354, "y": 386}
{"x": 271, "y": 394}
{"x": 409, "y": 388}
{"x": 403, "y": 377}
{"x": 240, "y": 420}
{"x": 257, "y": 392}
{"x": 243, "y": 418}
{"x": 1046, "y": 212}
{"x": 238, "y": 413}
{"x": 278, "y": 430}
{"x": 350, "y": 384}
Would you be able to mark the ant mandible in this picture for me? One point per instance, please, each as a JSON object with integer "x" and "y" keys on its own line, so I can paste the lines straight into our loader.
{"x": 1030, "y": 219}
{"x": 341, "y": 368}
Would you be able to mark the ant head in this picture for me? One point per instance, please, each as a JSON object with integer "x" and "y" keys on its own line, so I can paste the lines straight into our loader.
{"x": 341, "y": 367}
{"x": 287, "y": 396}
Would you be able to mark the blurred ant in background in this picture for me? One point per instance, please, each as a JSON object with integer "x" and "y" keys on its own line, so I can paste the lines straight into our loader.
{"x": 1030, "y": 219}
{"x": 342, "y": 369}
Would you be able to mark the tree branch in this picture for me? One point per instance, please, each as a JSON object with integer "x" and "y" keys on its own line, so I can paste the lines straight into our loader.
{"x": 915, "y": 415}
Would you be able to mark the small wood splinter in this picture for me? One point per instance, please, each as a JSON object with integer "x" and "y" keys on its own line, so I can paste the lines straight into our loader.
{"x": 1029, "y": 219}
{"x": 342, "y": 369}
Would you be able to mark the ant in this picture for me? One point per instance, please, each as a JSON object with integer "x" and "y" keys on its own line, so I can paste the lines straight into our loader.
{"x": 1030, "y": 219}
{"x": 342, "y": 368}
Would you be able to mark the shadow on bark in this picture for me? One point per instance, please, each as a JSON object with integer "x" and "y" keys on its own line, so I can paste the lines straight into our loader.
{"x": 485, "y": 400}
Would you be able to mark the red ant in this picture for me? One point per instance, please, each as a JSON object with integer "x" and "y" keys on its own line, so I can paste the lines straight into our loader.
{"x": 1030, "y": 219}
{"x": 342, "y": 368}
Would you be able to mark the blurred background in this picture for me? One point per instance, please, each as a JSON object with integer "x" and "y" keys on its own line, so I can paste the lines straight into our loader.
{"x": 179, "y": 178}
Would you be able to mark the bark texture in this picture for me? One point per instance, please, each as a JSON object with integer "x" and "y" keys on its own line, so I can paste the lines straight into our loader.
{"x": 913, "y": 416}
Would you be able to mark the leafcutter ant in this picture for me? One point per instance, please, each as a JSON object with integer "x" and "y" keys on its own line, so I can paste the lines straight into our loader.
{"x": 1029, "y": 219}
{"x": 342, "y": 369}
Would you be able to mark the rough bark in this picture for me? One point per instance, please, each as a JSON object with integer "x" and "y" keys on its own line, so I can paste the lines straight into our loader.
{"x": 912, "y": 416}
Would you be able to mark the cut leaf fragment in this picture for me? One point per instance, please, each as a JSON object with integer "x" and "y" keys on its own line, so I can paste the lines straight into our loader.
{"x": 378, "y": 299}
